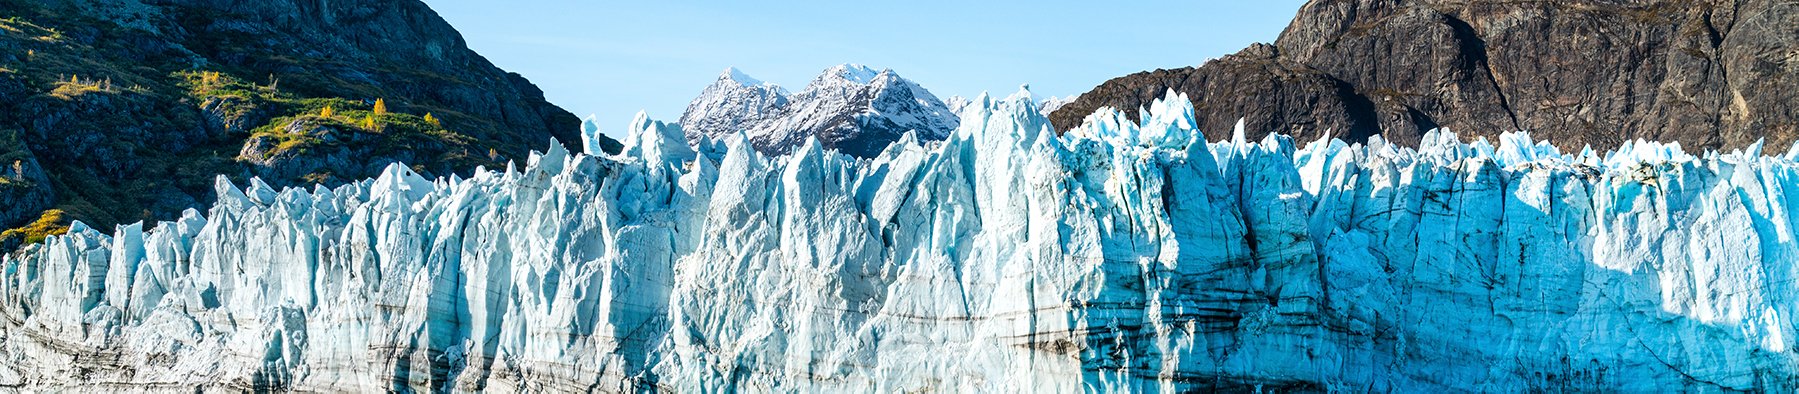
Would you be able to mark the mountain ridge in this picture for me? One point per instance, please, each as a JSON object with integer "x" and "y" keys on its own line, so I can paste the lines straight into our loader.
{"x": 1580, "y": 73}
{"x": 114, "y": 111}
{"x": 852, "y": 108}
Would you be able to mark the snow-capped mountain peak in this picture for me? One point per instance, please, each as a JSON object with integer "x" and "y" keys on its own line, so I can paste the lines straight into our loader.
{"x": 956, "y": 103}
{"x": 1054, "y": 103}
{"x": 735, "y": 75}
{"x": 731, "y": 103}
{"x": 850, "y": 107}
{"x": 853, "y": 73}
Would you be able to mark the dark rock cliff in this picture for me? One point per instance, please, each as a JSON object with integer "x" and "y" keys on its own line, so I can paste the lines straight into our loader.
{"x": 115, "y": 111}
{"x": 1709, "y": 74}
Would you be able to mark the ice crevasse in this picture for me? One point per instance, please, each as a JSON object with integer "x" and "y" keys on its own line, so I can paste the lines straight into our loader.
{"x": 1118, "y": 256}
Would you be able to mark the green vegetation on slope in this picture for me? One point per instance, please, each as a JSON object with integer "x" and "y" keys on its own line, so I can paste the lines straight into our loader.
{"x": 124, "y": 118}
{"x": 51, "y": 223}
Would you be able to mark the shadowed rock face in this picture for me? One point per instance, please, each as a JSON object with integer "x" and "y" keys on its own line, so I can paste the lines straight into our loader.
{"x": 1713, "y": 74}
{"x": 401, "y": 47}
{"x": 99, "y": 101}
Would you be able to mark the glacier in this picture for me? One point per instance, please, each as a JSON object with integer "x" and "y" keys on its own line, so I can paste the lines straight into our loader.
{"x": 1118, "y": 256}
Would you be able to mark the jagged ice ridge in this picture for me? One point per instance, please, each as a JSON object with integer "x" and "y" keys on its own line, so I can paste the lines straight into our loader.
{"x": 1118, "y": 256}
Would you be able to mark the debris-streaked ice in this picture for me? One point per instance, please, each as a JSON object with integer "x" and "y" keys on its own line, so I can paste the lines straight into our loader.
{"x": 1118, "y": 256}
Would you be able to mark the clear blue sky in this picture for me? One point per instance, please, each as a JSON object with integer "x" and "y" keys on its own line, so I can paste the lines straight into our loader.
{"x": 614, "y": 59}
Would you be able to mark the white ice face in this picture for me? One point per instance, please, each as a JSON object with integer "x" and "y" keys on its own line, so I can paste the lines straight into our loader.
{"x": 1120, "y": 256}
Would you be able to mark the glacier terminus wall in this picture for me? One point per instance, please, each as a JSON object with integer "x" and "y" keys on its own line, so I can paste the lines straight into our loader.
{"x": 1118, "y": 256}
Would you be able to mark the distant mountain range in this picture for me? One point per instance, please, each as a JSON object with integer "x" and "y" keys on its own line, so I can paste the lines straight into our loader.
{"x": 852, "y": 108}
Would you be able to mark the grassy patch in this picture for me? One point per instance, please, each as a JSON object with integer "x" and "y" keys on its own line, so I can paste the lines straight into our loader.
{"x": 21, "y": 28}
{"x": 67, "y": 90}
{"x": 382, "y": 131}
{"x": 52, "y": 222}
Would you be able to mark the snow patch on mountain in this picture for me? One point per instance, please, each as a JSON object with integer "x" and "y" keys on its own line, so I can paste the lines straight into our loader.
{"x": 1119, "y": 256}
{"x": 854, "y": 73}
{"x": 1054, "y": 103}
{"x": 738, "y": 76}
{"x": 956, "y": 104}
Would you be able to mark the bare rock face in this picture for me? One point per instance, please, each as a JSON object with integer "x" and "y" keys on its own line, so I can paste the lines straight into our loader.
{"x": 401, "y": 48}
{"x": 1256, "y": 83}
{"x": 1712, "y": 74}
{"x": 130, "y": 107}
{"x": 23, "y": 185}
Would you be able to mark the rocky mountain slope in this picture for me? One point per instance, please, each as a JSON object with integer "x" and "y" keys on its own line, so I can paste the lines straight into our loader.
{"x": 734, "y": 103}
{"x": 113, "y": 111}
{"x": 1119, "y": 257}
{"x": 1705, "y": 73}
{"x": 851, "y": 108}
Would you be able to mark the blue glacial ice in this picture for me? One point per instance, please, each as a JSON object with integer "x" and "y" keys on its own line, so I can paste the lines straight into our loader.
{"x": 1119, "y": 256}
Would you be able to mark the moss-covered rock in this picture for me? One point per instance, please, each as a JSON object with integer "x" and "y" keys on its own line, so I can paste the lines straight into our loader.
{"x": 50, "y": 222}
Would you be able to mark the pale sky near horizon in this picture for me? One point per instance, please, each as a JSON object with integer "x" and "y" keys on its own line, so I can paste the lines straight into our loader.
{"x": 613, "y": 60}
